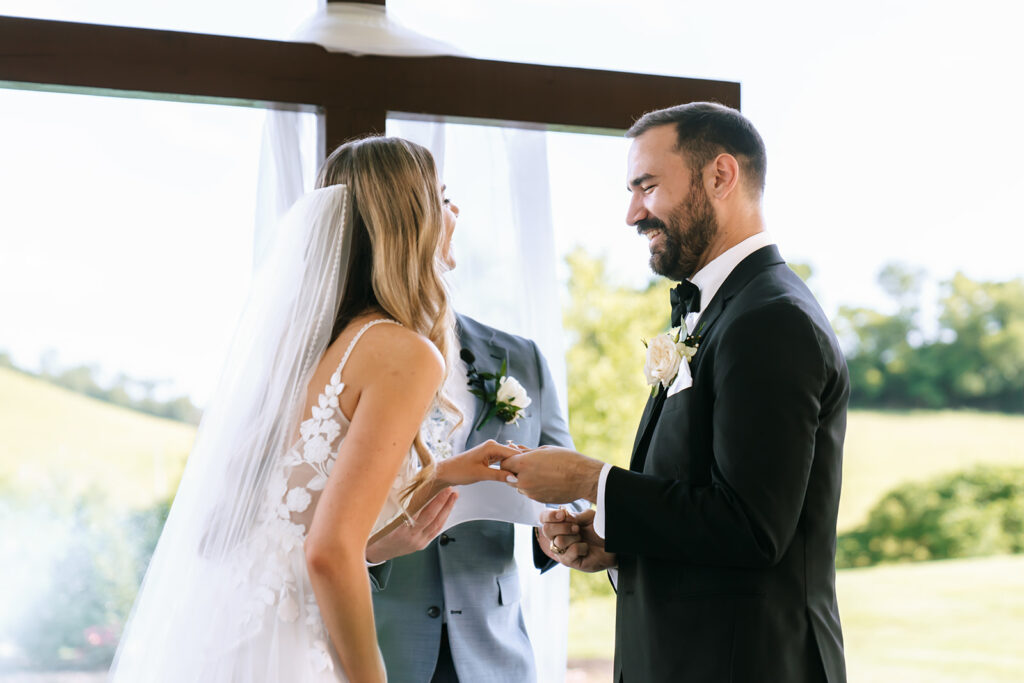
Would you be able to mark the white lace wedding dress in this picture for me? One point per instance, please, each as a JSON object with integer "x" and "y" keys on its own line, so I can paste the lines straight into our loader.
{"x": 263, "y": 615}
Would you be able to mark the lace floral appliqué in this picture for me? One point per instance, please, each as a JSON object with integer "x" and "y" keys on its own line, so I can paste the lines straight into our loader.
{"x": 275, "y": 570}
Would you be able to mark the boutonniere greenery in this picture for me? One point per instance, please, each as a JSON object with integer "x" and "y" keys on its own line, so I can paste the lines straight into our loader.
{"x": 503, "y": 396}
{"x": 666, "y": 353}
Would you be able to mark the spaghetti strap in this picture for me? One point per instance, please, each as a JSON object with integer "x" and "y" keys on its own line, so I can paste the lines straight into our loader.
{"x": 359, "y": 334}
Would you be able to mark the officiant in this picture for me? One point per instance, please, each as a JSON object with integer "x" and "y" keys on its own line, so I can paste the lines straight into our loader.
{"x": 447, "y": 606}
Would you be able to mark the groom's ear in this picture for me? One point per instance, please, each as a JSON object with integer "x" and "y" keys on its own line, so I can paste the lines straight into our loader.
{"x": 722, "y": 176}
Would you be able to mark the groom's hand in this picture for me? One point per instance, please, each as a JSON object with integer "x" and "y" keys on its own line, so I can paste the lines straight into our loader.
{"x": 409, "y": 538}
{"x": 582, "y": 548}
{"x": 551, "y": 474}
{"x": 564, "y": 528}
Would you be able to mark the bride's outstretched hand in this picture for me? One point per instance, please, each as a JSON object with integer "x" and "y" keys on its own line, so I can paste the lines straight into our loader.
{"x": 474, "y": 465}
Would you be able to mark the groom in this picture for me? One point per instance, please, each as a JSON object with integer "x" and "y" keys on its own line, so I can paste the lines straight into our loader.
{"x": 723, "y": 529}
{"x": 450, "y": 611}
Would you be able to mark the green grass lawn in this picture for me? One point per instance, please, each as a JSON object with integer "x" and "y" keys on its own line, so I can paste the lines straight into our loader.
{"x": 884, "y": 450}
{"x": 951, "y": 620}
{"x": 55, "y": 441}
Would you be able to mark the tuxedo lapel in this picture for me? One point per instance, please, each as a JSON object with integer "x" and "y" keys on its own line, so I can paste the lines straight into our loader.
{"x": 489, "y": 356}
{"x": 744, "y": 271}
{"x": 652, "y": 408}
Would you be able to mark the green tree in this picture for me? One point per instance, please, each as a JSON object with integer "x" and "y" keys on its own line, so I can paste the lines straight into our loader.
{"x": 890, "y": 363}
{"x": 976, "y": 359}
{"x": 92, "y": 560}
{"x": 606, "y": 324}
{"x": 984, "y": 325}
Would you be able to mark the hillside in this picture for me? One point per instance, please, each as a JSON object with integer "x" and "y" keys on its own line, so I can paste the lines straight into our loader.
{"x": 55, "y": 441}
{"x": 50, "y": 435}
{"x": 884, "y": 450}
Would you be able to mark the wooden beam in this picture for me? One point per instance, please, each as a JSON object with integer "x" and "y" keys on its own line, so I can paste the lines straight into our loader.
{"x": 477, "y": 88}
{"x": 165, "y": 62}
{"x": 168, "y": 62}
{"x": 343, "y": 122}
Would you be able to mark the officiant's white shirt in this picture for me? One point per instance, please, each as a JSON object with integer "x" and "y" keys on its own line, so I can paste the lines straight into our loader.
{"x": 709, "y": 280}
{"x": 457, "y": 388}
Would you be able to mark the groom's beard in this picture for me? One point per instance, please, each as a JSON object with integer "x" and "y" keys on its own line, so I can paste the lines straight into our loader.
{"x": 691, "y": 227}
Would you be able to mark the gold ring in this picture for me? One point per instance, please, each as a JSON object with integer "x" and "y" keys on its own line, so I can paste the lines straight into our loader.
{"x": 555, "y": 549}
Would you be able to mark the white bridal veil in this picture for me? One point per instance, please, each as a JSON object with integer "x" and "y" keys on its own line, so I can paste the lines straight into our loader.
{"x": 505, "y": 234}
{"x": 190, "y": 607}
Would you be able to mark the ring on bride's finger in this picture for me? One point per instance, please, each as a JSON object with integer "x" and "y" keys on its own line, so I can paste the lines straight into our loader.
{"x": 555, "y": 549}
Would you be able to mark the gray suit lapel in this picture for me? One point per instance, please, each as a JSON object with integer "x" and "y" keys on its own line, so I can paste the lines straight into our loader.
{"x": 489, "y": 356}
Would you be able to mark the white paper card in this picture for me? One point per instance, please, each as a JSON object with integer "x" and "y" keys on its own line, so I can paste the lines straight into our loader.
{"x": 496, "y": 501}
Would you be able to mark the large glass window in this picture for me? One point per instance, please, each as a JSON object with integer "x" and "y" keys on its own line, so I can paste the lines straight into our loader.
{"x": 125, "y": 240}
{"x": 127, "y": 230}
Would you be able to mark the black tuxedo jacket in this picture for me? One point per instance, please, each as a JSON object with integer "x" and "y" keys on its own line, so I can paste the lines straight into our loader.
{"x": 725, "y": 523}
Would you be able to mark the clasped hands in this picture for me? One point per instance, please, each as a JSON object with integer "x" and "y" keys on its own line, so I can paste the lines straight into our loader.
{"x": 551, "y": 474}
{"x": 547, "y": 474}
{"x": 571, "y": 540}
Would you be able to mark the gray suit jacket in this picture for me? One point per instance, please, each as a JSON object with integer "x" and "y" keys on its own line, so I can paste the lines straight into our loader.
{"x": 469, "y": 574}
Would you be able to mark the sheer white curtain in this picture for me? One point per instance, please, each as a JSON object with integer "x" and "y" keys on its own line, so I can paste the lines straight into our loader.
{"x": 287, "y": 169}
{"x": 504, "y": 245}
{"x": 505, "y": 277}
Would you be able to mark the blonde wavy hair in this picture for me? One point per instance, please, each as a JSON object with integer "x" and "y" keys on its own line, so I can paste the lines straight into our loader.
{"x": 395, "y": 263}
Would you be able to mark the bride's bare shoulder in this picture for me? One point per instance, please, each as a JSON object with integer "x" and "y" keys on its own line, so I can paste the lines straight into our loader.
{"x": 389, "y": 351}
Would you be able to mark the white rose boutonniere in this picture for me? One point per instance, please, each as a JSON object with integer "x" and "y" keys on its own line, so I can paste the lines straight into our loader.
{"x": 513, "y": 399}
{"x": 506, "y": 399}
{"x": 665, "y": 356}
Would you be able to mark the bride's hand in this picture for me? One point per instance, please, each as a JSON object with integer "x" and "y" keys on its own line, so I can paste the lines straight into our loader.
{"x": 474, "y": 465}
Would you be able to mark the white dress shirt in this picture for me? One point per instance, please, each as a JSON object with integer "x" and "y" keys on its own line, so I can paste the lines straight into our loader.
{"x": 457, "y": 388}
{"x": 709, "y": 280}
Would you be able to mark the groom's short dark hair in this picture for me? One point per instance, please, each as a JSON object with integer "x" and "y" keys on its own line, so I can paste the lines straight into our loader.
{"x": 706, "y": 129}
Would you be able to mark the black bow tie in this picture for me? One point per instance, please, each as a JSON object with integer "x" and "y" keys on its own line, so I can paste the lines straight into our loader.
{"x": 685, "y": 299}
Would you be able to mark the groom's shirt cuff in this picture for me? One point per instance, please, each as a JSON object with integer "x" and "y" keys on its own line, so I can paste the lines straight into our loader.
{"x": 599, "y": 515}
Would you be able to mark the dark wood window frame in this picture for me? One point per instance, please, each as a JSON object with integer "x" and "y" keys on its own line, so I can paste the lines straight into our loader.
{"x": 354, "y": 94}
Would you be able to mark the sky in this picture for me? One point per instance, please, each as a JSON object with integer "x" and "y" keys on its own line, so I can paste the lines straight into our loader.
{"x": 892, "y": 131}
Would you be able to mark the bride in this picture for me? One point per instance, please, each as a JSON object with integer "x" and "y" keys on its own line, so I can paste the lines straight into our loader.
{"x": 313, "y": 440}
